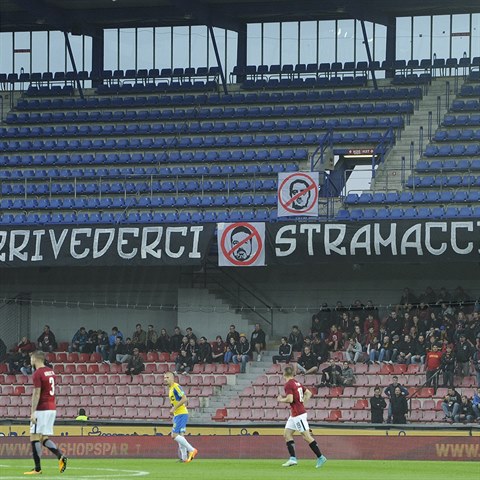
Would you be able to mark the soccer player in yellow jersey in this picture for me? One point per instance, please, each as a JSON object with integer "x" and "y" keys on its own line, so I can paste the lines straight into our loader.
{"x": 178, "y": 399}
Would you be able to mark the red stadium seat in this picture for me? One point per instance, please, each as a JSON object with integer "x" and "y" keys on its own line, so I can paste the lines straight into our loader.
{"x": 261, "y": 380}
{"x": 87, "y": 389}
{"x": 61, "y": 357}
{"x": 49, "y": 357}
{"x": 233, "y": 369}
{"x": 246, "y": 392}
{"x": 246, "y": 402}
{"x": 62, "y": 346}
{"x": 152, "y": 357}
{"x": 362, "y": 415}
{"x": 135, "y": 390}
{"x": 81, "y": 368}
{"x": 70, "y": 368}
{"x": 157, "y": 402}
{"x": 95, "y": 358}
{"x": 163, "y": 357}
{"x": 219, "y": 380}
{"x": 361, "y": 404}
{"x": 19, "y": 390}
{"x": 210, "y": 368}
{"x": 386, "y": 369}
{"x": 148, "y": 379}
{"x": 220, "y": 415}
{"x": 150, "y": 368}
{"x": 4, "y": 400}
{"x": 72, "y": 357}
{"x": 104, "y": 368}
{"x": 221, "y": 368}
{"x": 334, "y": 415}
{"x": 83, "y": 357}
{"x": 334, "y": 392}
{"x": 59, "y": 368}
{"x": 120, "y": 401}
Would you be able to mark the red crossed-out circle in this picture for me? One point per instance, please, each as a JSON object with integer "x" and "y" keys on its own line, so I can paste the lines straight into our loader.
{"x": 312, "y": 186}
{"x": 228, "y": 253}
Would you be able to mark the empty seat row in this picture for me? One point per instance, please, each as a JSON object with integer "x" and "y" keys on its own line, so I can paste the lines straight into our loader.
{"x": 50, "y": 91}
{"x": 470, "y": 90}
{"x": 412, "y": 79}
{"x": 447, "y": 165}
{"x": 106, "y": 203}
{"x": 201, "y": 128}
{"x": 439, "y": 181}
{"x": 443, "y": 196}
{"x": 133, "y": 187}
{"x": 310, "y": 96}
{"x": 53, "y": 160}
{"x": 215, "y": 170}
{"x": 452, "y": 150}
{"x": 408, "y": 213}
{"x": 315, "y": 82}
{"x": 188, "y": 142}
{"x": 453, "y": 135}
{"x": 136, "y": 217}
{"x": 459, "y": 105}
{"x": 160, "y": 87}
{"x": 461, "y": 120}
{"x": 380, "y": 108}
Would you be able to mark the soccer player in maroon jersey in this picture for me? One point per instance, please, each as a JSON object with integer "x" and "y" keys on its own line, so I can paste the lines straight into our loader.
{"x": 296, "y": 395}
{"x": 43, "y": 413}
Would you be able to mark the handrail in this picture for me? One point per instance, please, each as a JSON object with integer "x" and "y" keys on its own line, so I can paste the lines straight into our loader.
{"x": 447, "y": 94}
{"x": 420, "y": 141}
{"x": 403, "y": 173}
{"x": 412, "y": 150}
{"x": 383, "y": 147}
{"x": 250, "y": 308}
{"x": 439, "y": 100}
{"x": 325, "y": 142}
{"x": 429, "y": 125}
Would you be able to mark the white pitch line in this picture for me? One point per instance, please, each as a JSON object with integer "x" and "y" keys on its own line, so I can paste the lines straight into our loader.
{"x": 119, "y": 473}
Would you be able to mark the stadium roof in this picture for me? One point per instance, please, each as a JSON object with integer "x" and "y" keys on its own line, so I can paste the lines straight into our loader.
{"x": 88, "y": 16}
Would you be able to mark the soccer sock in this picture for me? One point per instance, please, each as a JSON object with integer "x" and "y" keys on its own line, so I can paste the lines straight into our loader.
{"x": 291, "y": 448}
{"x": 183, "y": 442}
{"x": 37, "y": 451}
{"x": 315, "y": 448}
{"x": 52, "y": 447}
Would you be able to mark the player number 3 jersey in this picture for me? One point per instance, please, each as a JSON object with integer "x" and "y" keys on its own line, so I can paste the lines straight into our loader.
{"x": 44, "y": 379}
{"x": 297, "y": 390}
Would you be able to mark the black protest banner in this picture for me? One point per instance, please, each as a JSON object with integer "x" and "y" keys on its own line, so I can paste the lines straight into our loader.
{"x": 415, "y": 241}
{"x": 105, "y": 245}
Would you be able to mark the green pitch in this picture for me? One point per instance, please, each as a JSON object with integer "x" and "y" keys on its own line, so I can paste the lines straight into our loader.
{"x": 200, "y": 469}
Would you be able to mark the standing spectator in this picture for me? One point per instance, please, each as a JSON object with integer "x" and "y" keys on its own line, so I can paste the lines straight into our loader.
{"x": 230, "y": 349}
{"x": 331, "y": 375}
{"x": 218, "y": 350}
{"x": 348, "y": 377}
{"x": 284, "y": 352}
{"x": 448, "y": 367}
{"x": 204, "y": 351}
{"x": 399, "y": 407}
{"x": 163, "y": 341}
{"x": 451, "y": 404}
{"x": 465, "y": 411}
{"x": 139, "y": 338}
{"x": 390, "y": 392}
{"x": 183, "y": 363}
{"x": 419, "y": 350}
{"x": 232, "y": 332}
{"x": 334, "y": 339}
{"x": 189, "y": 334}
{"x": 463, "y": 354}
{"x": 377, "y": 405}
{"x": 432, "y": 366}
{"x": 394, "y": 324}
{"x": 135, "y": 363}
{"x": 46, "y": 341}
{"x": 307, "y": 362}
{"x": 79, "y": 341}
{"x": 295, "y": 339}
{"x": 257, "y": 341}
{"x": 370, "y": 322}
{"x": 242, "y": 353}
{"x": 152, "y": 338}
{"x": 354, "y": 351}
{"x": 176, "y": 340}
{"x": 476, "y": 362}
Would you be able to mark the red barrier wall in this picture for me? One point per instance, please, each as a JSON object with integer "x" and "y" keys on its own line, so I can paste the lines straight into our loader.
{"x": 335, "y": 447}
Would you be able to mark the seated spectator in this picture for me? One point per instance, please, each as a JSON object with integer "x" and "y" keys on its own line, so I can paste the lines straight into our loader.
{"x": 448, "y": 367}
{"x": 3, "y": 351}
{"x": 92, "y": 341}
{"x": 476, "y": 362}
{"x": 163, "y": 341}
{"x": 334, "y": 339}
{"x": 242, "y": 353}
{"x": 176, "y": 340}
{"x": 152, "y": 338}
{"x": 419, "y": 350}
{"x": 320, "y": 349}
{"x": 331, "y": 375}
{"x": 192, "y": 350}
{"x": 369, "y": 323}
{"x": 465, "y": 411}
{"x": 348, "y": 377}
{"x": 46, "y": 341}
{"x": 112, "y": 337}
{"x": 124, "y": 351}
{"x": 354, "y": 351}
{"x": 284, "y": 352}
{"x": 307, "y": 362}
{"x": 451, "y": 404}
{"x": 183, "y": 363}
{"x": 139, "y": 338}
{"x": 295, "y": 339}
{"x": 204, "y": 351}
{"x": 406, "y": 349}
{"x": 218, "y": 350}
{"x": 103, "y": 344}
{"x": 476, "y": 404}
{"x": 395, "y": 344}
{"x": 257, "y": 341}
{"x": 377, "y": 405}
{"x": 399, "y": 406}
{"x": 135, "y": 363}
{"x": 185, "y": 344}
{"x": 19, "y": 360}
{"x": 390, "y": 392}
{"x": 82, "y": 416}
{"x": 230, "y": 349}
{"x": 373, "y": 350}
{"x": 232, "y": 332}
{"x": 115, "y": 350}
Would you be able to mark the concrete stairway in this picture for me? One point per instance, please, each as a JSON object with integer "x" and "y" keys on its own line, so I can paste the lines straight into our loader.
{"x": 388, "y": 176}
{"x": 231, "y": 391}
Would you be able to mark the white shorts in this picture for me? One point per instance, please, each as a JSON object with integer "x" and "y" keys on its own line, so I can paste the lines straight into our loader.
{"x": 298, "y": 423}
{"x": 45, "y": 422}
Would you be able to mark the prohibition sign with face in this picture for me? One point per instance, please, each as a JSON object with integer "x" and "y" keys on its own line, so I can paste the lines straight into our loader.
{"x": 301, "y": 193}
{"x": 238, "y": 235}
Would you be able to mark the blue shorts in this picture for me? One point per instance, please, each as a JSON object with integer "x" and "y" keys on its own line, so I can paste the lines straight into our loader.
{"x": 180, "y": 423}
